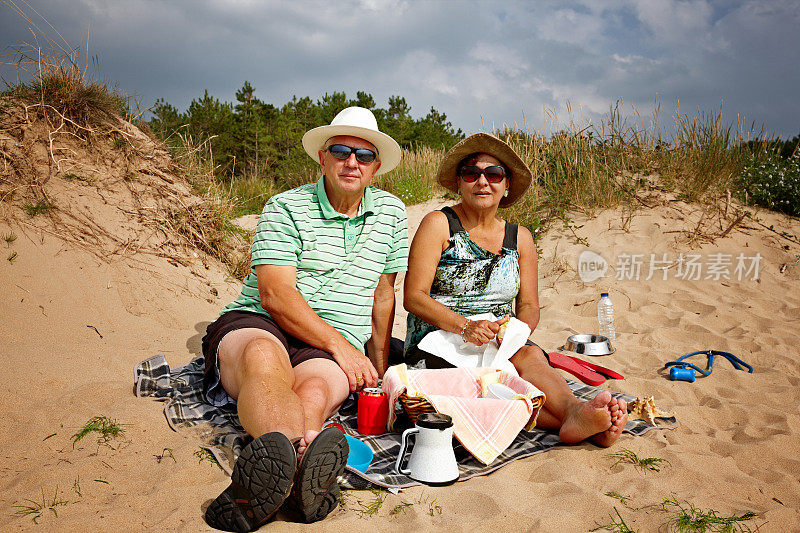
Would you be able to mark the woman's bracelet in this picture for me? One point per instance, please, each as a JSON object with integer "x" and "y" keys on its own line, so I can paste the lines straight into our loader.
{"x": 464, "y": 329}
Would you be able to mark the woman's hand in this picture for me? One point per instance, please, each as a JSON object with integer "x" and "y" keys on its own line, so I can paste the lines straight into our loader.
{"x": 503, "y": 323}
{"x": 479, "y": 332}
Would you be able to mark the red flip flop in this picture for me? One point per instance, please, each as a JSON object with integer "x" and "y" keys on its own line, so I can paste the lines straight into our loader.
{"x": 607, "y": 372}
{"x": 571, "y": 365}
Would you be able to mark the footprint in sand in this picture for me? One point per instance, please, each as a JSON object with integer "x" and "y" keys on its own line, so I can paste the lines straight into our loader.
{"x": 726, "y": 392}
{"x": 705, "y": 338}
{"x": 708, "y": 401}
{"x": 480, "y": 504}
{"x": 695, "y": 307}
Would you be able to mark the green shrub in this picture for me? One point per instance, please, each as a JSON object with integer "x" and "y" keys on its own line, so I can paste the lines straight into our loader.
{"x": 773, "y": 183}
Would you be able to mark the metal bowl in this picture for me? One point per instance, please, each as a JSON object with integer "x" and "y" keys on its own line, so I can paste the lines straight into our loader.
{"x": 589, "y": 345}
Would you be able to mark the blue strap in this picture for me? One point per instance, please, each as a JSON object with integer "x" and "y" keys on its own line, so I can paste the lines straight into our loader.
{"x": 737, "y": 363}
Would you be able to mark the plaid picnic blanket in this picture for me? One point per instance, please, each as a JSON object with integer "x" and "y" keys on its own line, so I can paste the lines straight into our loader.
{"x": 220, "y": 432}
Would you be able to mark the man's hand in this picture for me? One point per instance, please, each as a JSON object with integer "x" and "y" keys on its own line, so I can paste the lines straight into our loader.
{"x": 357, "y": 367}
{"x": 276, "y": 286}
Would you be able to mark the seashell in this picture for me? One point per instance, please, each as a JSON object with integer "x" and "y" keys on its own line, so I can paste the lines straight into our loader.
{"x": 645, "y": 409}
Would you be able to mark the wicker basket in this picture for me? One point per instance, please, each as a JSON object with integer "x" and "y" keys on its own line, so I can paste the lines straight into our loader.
{"x": 415, "y": 406}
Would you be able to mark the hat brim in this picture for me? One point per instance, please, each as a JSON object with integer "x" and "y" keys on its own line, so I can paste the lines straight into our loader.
{"x": 519, "y": 180}
{"x": 389, "y": 151}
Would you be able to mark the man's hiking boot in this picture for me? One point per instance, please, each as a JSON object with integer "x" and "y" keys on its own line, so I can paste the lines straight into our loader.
{"x": 261, "y": 481}
{"x": 315, "y": 492}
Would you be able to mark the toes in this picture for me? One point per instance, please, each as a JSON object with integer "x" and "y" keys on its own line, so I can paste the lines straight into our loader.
{"x": 602, "y": 399}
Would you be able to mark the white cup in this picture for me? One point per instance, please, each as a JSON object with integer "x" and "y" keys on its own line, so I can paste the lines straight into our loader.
{"x": 500, "y": 392}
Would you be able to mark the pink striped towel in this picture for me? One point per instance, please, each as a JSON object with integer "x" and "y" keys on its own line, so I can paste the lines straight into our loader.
{"x": 484, "y": 426}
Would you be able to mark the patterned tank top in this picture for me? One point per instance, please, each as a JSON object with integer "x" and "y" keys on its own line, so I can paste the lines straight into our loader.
{"x": 470, "y": 280}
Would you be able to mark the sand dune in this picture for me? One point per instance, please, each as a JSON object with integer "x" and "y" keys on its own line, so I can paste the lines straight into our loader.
{"x": 78, "y": 314}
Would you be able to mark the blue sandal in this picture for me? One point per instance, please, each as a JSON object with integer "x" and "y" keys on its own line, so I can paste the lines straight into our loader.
{"x": 681, "y": 371}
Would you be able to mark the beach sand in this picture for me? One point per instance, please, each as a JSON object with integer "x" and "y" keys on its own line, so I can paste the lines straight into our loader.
{"x": 74, "y": 322}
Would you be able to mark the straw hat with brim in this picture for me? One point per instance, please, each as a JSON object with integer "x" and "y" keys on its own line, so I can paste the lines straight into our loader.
{"x": 518, "y": 181}
{"x": 357, "y": 122}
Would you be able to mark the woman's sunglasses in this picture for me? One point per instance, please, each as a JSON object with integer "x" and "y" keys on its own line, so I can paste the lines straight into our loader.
{"x": 494, "y": 174}
{"x": 342, "y": 151}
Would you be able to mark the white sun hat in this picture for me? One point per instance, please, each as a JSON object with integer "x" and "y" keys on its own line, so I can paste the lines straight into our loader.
{"x": 357, "y": 122}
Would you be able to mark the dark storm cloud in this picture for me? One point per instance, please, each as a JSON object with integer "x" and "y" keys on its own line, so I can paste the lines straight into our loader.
{"x": 481, "y": 63}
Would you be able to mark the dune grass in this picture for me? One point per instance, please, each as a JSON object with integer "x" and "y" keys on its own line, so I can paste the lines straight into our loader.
{"x": 166, "y": 452}
{"x": 687, "y": 517}
{"x": 708, "y": 156}
{"x": 52, "y": 75}
{"x": 682, "y": 517}
{"x": 612, "y": 163}
{"x": 644, "y": 464}
{"x": 105, "y": 428}
{"x": 40, "y": 206}
{"x": 617, "y": 496}
{"x": 414, "y": 179}
{"x": 580, "y": 167}
{"x": 204, "y": 454}
{"x": 616, "y": 525}
{"x": 54, "y": 85}
{"x": 34, "y": 508}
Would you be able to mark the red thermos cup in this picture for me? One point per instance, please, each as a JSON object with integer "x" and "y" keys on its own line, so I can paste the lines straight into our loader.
{"x": 373, "y": 411}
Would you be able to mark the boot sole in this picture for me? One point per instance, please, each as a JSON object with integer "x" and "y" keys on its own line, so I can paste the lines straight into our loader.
{"x": 316, "y": 492}
{"x": 260, "y": 483}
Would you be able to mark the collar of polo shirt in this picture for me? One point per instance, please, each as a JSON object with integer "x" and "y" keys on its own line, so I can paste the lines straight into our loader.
{"x": 367, "y": 205}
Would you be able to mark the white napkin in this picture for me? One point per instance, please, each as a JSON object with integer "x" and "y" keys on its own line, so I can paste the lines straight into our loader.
{"x": 451, "y": 347}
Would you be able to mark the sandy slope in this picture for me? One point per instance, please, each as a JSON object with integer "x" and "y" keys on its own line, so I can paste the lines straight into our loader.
{"x": 72, "y": 326}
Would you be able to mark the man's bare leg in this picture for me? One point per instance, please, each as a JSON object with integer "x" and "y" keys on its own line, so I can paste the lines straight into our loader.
{"x": 322, "y": 388}
{"x": 270, "y": 394}
{"x": 576, "y": 420}
{"x": 255, "y": 371}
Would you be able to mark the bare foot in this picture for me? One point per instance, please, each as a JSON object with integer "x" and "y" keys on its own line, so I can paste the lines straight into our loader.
{"x": 585, "y": 419}
{"x": 619, "y": 416}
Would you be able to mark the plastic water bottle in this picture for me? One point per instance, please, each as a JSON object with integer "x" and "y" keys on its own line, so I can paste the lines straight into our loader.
{"x": 605, "y": 316}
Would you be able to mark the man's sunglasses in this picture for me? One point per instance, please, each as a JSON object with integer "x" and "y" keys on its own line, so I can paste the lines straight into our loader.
{"x": 342, "y": 151}
{"x": 494, "y": 174}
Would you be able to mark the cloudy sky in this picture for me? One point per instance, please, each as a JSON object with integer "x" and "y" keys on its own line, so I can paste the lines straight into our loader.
{"x": 483, "y": 64}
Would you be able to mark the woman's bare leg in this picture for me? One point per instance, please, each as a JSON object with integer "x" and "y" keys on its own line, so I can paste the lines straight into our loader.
{"x": 600, "y": 419}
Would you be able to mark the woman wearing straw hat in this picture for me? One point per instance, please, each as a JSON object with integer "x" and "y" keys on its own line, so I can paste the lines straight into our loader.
{"x": 466, "y": 260}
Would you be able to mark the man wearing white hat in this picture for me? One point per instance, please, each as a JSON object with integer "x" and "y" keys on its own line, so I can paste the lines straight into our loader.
{"x": 288, "y": 351}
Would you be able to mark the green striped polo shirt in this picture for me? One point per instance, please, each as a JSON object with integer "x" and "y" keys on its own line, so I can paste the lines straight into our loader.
{"x": 338, "y": 259}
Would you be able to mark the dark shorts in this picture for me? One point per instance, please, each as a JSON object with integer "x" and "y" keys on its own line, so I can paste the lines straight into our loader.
{"x": 415, "y": 355}
{"x": 298, "y": 350}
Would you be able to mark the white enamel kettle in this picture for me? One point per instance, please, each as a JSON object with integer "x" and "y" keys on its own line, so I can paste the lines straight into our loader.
{"x": 433, "y": 460}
